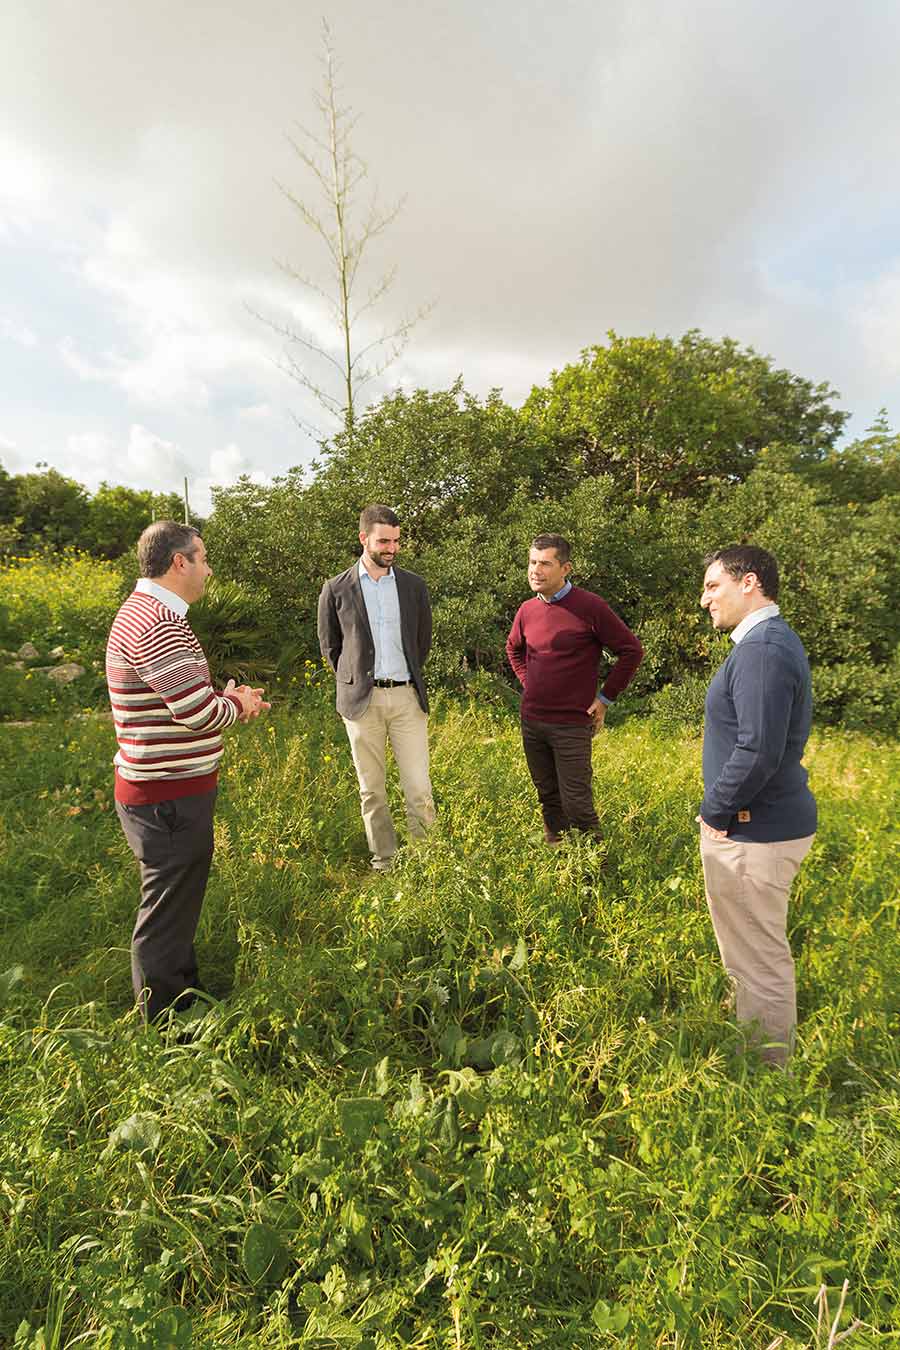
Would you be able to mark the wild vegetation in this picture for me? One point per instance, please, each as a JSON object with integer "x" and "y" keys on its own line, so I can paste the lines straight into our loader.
{"x": 493, "y": 1098}
{"x": 647, "y": 452}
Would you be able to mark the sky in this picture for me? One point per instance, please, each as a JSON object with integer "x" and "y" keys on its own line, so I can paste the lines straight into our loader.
{"x": 644, "y": 167}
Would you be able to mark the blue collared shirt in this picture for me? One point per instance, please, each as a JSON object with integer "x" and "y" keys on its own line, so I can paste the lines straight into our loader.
{"x": 560, "y": 594}
{"x": 383, "y": 608}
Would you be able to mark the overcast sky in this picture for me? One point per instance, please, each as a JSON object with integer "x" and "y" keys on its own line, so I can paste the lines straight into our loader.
{"x": 644, "y": 166}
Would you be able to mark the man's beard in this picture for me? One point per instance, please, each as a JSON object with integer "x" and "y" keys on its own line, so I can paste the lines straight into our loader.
{"x": 381, "y": 559}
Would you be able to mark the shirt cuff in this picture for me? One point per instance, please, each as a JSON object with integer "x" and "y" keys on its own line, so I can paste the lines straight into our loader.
{"x": 604, "y": 699}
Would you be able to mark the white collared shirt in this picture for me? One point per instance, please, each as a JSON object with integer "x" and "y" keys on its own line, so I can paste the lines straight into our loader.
{"x": 751, "y": 620}
{"x": 146, "y": 586}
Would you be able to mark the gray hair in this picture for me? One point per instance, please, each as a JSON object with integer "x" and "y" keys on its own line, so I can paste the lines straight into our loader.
{"x": 160, "y": 542}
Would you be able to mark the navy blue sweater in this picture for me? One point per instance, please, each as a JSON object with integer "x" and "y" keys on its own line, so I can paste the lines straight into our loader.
{"x": 758, "y": 715}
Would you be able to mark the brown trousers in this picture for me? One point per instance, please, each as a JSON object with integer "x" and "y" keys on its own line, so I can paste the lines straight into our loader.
{"x": 747, "y": 890}
{"x": 559, "y": 761}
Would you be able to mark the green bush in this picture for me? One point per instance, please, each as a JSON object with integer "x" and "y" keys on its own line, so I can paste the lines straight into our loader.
{"x": 67, "y": 600}
{"x": 859, "y": 697}
{"x": 238, "y": 635}
{"x": 679, "y": 707}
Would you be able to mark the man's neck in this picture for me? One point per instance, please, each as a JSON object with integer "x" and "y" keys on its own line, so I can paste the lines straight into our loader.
{"x": 374, "y": 569}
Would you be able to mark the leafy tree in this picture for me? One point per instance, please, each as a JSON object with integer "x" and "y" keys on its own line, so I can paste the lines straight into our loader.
{"x": 9, "y": 497}
{"x": 668, "y": 417}
{"x": 840, "y": 568}
{"x": 437, "y": 458}
{"x": 117, "y": 515}
{"x": 54, "y": 510}
{"x": 863, "y": 471}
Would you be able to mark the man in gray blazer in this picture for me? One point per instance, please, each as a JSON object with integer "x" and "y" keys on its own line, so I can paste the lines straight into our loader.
{"x": 375, "y": 634}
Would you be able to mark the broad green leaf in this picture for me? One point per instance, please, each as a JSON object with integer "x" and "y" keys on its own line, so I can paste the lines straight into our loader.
{"x": 506, "y": 1048}
{"x": 453, "y": 1043}
{"x": 141, "y": 1133}
{"x": 359, "y": 1117}
{"x": 382, "y": 1081}
{"x": 8, "y": 981}
{"x": 520, "y": 956}
{"x": 356, "y": 1224}
{"x": 263, "y": 1254}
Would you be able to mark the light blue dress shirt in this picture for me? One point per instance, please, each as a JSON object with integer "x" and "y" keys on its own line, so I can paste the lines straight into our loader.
{"x": 383, "y": 608}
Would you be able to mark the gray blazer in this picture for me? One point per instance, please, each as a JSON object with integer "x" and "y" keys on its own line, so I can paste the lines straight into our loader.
{"x": 345, "y": 636}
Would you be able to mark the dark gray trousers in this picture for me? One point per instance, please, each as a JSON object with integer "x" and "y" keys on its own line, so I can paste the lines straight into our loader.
{"x": 559, "y": 761}
{"x": 173, "y": 843}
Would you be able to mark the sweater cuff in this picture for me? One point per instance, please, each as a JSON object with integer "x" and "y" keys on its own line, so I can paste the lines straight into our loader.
{"x": 719, "y": 820}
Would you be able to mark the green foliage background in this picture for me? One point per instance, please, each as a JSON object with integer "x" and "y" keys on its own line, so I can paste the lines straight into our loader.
{"x": 647, "y": 453}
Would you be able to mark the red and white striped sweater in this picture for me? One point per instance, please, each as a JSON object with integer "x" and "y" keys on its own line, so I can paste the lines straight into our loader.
{"x": 167, "y": 715}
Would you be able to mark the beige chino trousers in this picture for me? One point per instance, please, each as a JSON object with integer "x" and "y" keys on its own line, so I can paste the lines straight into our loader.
{"x": 747, "y": 890}
{"x": 393, "y": 715}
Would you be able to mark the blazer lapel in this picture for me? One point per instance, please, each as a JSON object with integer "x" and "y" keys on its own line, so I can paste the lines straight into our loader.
{"x": 404, "y": 600}
{"x": 355, "y": 586}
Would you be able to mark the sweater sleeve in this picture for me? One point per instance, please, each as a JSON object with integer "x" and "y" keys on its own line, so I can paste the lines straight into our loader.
{"x": 515, "y": 647}
{"x": 166, "y": 663}
{"x": 762, "y": 686}
{"x": 617, "y": 637}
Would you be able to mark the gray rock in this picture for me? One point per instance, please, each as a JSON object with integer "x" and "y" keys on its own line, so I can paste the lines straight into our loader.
{"x": 28, "y": 652}
{"x": 66, "y": 673}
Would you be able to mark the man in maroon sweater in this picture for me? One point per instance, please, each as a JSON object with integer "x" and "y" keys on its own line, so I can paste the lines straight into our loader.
{"x": 555, "y": 647}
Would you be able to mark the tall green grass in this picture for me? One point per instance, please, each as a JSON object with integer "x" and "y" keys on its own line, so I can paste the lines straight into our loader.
{"x": 493, "y": 1098}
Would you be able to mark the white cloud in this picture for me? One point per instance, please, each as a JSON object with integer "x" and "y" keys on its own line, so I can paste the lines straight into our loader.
{"x": 641, "y": 169}
{"x": 18, "y": 333}
{"x": 227, "y": 464}
{"x": 876, "y": 317}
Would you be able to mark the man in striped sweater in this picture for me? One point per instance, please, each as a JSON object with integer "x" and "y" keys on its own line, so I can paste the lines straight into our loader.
{"x": 168, "y": 721}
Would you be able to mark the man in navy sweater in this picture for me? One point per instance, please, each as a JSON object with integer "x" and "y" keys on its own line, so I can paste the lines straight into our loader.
{"x": 555, "y": 646}
{"x": 758, "y": 817}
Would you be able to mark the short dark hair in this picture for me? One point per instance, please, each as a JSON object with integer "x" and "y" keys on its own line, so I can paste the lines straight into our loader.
{"x": 739, "y": 559}
{"x": 376, "y": 515}
{"x": 555, "y": 541}
{"x": 160, "y": 542}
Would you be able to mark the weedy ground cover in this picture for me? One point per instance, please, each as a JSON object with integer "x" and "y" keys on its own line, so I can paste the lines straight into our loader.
{"x": 490, "y": 1099}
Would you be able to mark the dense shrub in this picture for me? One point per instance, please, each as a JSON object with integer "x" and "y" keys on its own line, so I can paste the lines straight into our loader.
{"x": 68, "y": 600}
{"x": 859, "y": 696}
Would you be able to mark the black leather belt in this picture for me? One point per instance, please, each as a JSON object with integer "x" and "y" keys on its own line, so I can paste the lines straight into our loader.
{"x": 392, "y": 684}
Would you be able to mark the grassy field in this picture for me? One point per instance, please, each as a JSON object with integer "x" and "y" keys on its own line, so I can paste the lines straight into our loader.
{"x": 489, "y": 1099}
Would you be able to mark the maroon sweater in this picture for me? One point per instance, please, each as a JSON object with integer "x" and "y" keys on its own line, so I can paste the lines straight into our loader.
{"x": 555, "y": 649}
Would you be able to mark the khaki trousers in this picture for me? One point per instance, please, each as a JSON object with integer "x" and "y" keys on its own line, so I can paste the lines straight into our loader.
{"x": 393, "y": 715}
{"x": 747, "y": 890}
